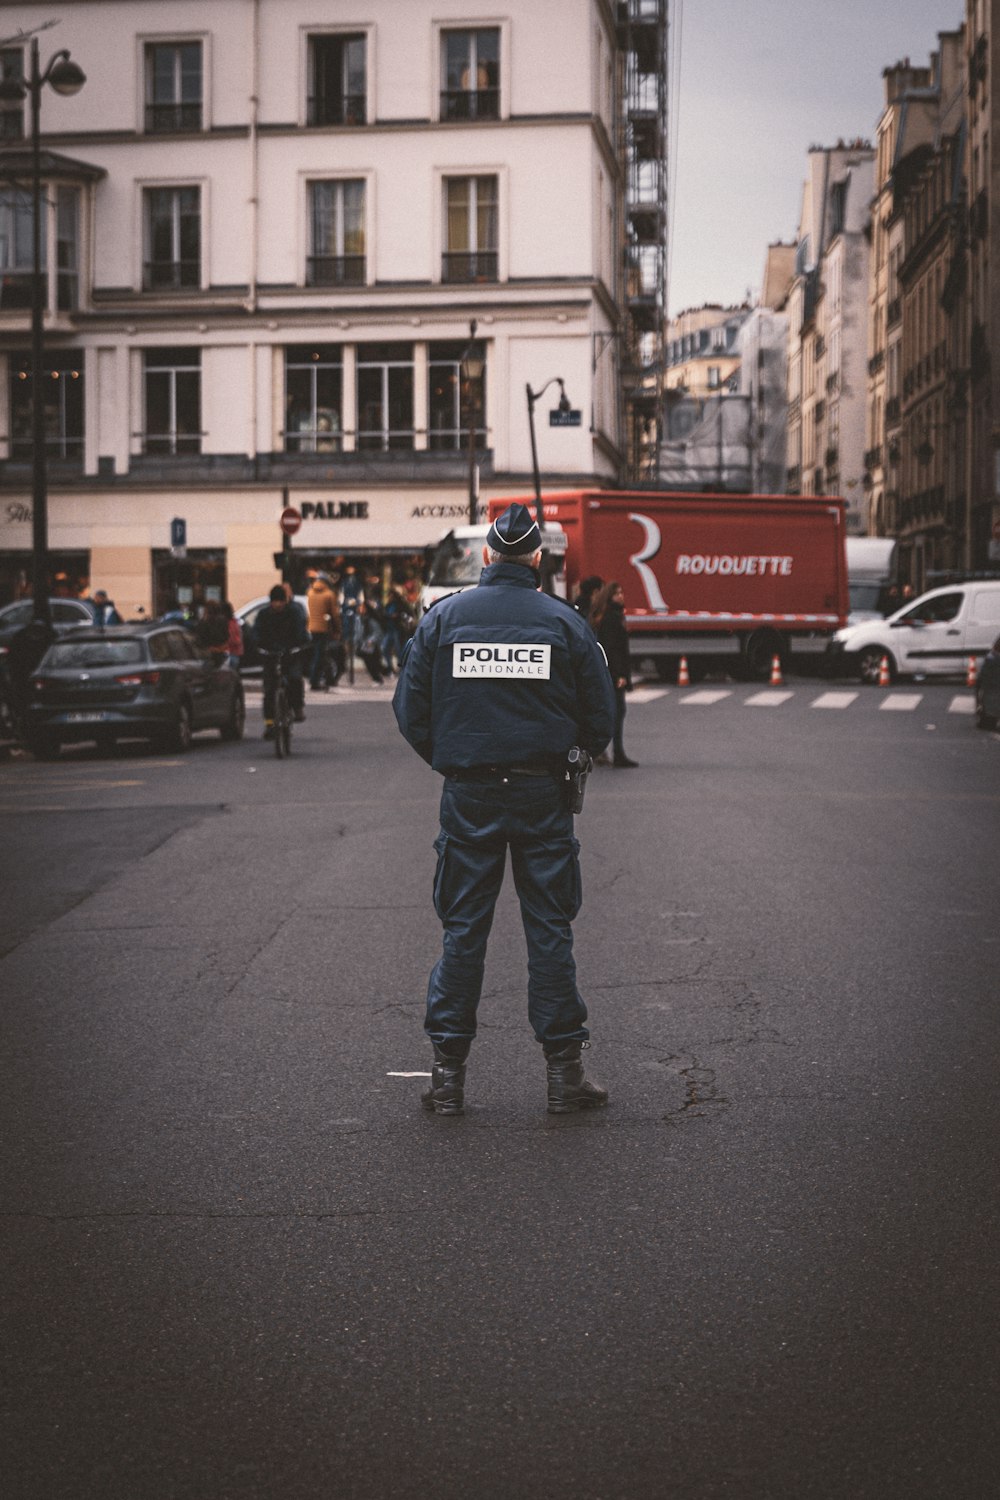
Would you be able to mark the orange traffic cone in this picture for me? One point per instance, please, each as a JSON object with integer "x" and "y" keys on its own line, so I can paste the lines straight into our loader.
{"x": 776, "y": 677}
{"x": 970, "y": 672}
{"x": 683, "y": 680}
{"x": 883, "y": 673}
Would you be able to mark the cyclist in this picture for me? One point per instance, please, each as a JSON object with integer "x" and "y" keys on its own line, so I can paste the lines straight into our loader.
{"x": 282, "y": 627}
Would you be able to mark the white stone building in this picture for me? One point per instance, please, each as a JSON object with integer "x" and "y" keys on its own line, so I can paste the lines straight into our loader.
{"x": 269, "y": 225}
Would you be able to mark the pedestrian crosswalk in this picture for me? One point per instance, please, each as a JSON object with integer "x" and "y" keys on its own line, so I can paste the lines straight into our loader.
{"x": 829, "y": 699}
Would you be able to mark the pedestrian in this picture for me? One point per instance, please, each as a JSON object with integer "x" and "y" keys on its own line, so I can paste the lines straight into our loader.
{"x": 351, "y": 594}
{"x": 234, "y": 637}
{"x": 212, "y": 632}
{"x": 321, "y": 605}
{"x": 396, "y": 615}
{"x": 370, "y": 641}
{"x": 104, "y": 609}
{"x": 585, "y": 594}
{"x": 282, "y": 627}
{"x": 496, "y": 687}
{"x": 607, "y": 619}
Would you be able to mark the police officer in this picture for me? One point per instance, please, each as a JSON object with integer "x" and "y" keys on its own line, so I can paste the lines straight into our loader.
{"x": 497, "y": 684}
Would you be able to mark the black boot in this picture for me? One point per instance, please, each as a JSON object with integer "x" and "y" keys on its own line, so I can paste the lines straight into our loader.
{"x": 446, "y": 1095}
{"x": 569, "y": 1089}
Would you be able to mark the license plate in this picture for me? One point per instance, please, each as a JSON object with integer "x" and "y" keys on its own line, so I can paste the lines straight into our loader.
{"x": 86, "y": 718}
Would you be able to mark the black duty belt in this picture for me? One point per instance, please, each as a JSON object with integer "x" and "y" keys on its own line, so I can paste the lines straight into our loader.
{"x": 498, "y": 774}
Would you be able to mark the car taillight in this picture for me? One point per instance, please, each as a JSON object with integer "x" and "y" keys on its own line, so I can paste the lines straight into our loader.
{"x": 39, "y": 684}
{"x": 139, "y": 679}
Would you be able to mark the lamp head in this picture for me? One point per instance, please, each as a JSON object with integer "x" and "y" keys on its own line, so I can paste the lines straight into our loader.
{"x": 473, "y": 363}
{"x": 65, "y": 76}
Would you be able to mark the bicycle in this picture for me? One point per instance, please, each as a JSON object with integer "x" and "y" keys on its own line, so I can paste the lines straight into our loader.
{"x": 283, "y": 717}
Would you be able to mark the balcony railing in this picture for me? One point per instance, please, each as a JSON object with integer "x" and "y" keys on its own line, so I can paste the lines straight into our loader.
{"x": 351, "y": 109}
{"x": 170, "y": 275}
{"x": 335, "y": 270}
{"x": 172, "y": 119}
{"x": 459, "y": 266}
{"x": 470, "y": 104}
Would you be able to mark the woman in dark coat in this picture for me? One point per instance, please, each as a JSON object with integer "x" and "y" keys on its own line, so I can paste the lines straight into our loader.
{"x": 607, "y": 617}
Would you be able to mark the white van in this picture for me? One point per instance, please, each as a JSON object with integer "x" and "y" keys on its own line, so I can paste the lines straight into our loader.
{"x": 932, "y": 637}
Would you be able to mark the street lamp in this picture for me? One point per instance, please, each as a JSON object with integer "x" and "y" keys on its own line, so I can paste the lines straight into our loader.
{"x": 564, "y": 406}
{"x": 472, "y": 366}
{"x": 67, "y": 78}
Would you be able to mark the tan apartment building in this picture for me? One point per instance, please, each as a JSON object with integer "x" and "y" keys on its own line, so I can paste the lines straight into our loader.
{"x": 828, "y": 320}
{"x": 702, "y": 353}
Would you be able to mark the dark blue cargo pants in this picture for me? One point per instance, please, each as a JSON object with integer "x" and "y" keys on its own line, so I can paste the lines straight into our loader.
{"x": 479, "y": 822}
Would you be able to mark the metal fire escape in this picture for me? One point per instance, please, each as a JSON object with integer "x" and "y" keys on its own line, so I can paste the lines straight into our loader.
{"x": 643, "y": 131}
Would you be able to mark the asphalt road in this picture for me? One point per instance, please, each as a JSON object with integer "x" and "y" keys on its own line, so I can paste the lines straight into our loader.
{"x": 239, "y": 1261}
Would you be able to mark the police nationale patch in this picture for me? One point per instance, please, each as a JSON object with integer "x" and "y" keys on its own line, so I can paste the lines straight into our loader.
{"x": 491, "y": 659}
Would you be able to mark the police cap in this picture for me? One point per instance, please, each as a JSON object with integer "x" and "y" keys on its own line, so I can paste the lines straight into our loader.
{"x": 515, "y": 533}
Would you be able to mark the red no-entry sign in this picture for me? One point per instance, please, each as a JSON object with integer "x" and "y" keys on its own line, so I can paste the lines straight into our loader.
{"x": 291, "y": 520}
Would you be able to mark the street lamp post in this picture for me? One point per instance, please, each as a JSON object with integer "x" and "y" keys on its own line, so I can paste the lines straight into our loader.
{"x": 472, "y": 366}
{"x": 65, "y": 77}
{"x": 564, "y": 405}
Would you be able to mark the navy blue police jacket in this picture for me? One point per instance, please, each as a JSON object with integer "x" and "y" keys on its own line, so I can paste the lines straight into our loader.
{"x": 503, "y": 675}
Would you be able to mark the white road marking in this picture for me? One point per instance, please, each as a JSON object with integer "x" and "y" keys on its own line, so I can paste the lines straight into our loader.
{"x": 962, "y": 706}
{"x": 408, "y": 1075}
{"x": 768, "y": 699}
{"x": 902, "y": 702}
{"x": 708, "y": 695}
{"x": 833, "y": 700}
{"x": 647, "y": 695}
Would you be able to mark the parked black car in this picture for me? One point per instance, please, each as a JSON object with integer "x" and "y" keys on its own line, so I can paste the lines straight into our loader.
{"x": 145, "y": 681}
{"x": 988, "y": 688}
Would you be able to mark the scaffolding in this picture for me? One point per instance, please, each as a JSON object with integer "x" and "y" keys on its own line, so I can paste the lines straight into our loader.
{"x": 643, "y": 139}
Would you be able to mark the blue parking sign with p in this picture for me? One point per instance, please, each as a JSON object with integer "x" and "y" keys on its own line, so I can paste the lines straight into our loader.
{"x": 178, "y": 532}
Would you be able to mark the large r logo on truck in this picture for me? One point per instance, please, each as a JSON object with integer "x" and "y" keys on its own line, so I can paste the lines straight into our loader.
{"x": 640, "y": 562}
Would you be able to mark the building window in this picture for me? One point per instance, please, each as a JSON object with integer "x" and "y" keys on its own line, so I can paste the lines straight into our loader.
{"x": 714, "y": 377}
{"x": 11, "y": 110}
{"x": 313, "y": 398}
{"x": 67, "y": 248}
{"x": 172, "y": 399}
{"x": 62, "y": 402}
{"x": 471, "y": 237}
{"x": 337, "y": 81}
{"x": 336, "y": 234}
{"x": 173, "y": 238}
{"x": 16, "y": 243}
{"x": 174, "y": 89}
{"x": 452, "y": 401}
{"x": 470, "y": 74}
{"x": 385, "y": 396}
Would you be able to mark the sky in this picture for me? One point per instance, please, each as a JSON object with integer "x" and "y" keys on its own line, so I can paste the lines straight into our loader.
{"x": 760, "y": 82}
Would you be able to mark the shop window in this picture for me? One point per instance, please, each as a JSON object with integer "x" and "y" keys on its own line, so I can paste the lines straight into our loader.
{"x": 471, "y": 230}
{"x": 314, "y": 375}
{"x": 62, "y": 400}
{"x": 385, "y": 396}
{"x": 453, "y": 402}
{"x": 186, "y": 583}
{"x": 337, "y": 80}
{"x": 172, "y": 401}
{"x": 470, "y": 74}
{"x": 11, "y": 110}
{"x": 174, "y": 87}
{"x": 172, "y": 238}
{"x": 336, "y": 234}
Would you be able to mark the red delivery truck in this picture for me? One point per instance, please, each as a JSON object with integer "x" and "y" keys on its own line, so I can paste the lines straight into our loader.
{"x": 730, "y": 579}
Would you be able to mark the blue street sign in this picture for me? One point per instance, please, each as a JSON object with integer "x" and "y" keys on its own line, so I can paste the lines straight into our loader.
{"x": 178, "y": 532}
{"x": 559, "y": 418}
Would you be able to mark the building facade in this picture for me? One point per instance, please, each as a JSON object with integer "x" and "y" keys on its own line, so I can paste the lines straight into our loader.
{"x": 828, "y": 320}
{"x": 982, "y": 296}
{"x": 269, "y": 227}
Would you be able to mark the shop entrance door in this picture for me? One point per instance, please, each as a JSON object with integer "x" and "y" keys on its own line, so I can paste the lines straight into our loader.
{"x": 188, "y": 581}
